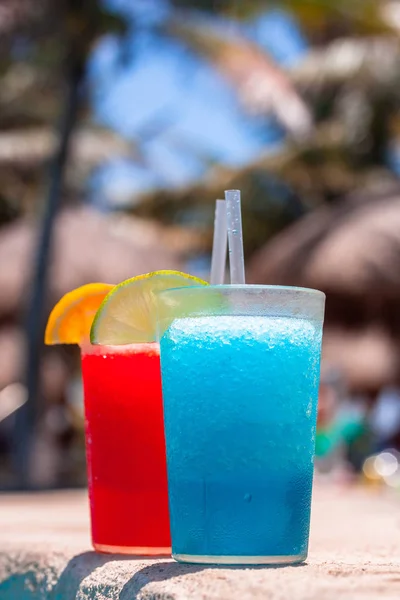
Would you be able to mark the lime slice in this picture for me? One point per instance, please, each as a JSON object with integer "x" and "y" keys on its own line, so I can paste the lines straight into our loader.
{"x": 128, "y": 313}
{"x": 190, "y": 303}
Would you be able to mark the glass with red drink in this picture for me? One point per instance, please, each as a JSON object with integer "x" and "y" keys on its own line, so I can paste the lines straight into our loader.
{"x": 126, "y": 449}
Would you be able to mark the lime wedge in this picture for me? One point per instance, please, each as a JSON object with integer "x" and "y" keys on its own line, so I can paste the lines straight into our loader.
{"x": 127, "y": 314}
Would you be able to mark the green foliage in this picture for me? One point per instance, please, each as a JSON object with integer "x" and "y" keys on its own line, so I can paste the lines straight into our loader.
{"x": 32, "y": 92}
{"x": 349, "y": 88}
{"x": 363, "y": 15}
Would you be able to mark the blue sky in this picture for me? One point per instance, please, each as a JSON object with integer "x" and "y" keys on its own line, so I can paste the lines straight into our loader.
{"x": 173, "y": 105}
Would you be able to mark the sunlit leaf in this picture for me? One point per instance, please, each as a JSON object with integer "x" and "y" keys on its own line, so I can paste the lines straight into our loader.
{"x": 261, "y": 85}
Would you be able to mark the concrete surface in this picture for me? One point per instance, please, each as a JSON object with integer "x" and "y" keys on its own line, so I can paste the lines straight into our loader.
{"x": 45, "y": 555}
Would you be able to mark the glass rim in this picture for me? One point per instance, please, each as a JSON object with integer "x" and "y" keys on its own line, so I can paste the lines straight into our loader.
{"x": 247, "y": 287}
{"x": 87, "y": 348}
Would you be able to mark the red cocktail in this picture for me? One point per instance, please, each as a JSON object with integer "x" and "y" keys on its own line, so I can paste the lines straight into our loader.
{"x": 126, "y": 449}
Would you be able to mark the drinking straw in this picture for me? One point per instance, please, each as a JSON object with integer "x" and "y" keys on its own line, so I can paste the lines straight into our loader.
{"x": 235, "y": 236}
{"x": 218, "y": 257}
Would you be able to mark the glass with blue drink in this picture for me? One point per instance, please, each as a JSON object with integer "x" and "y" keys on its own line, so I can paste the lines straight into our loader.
{"x": 240, "y": 373}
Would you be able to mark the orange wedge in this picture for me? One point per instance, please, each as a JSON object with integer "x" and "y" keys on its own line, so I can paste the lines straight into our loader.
{"x": 71, "y": 318}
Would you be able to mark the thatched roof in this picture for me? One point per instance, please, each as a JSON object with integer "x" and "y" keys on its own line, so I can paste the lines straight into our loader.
{"x": 88, "y": 246}
{"x": 353, "y": 247}
{"x": 352, "y": 252}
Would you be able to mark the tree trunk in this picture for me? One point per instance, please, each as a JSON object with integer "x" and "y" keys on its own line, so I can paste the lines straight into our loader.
{"x": 26, "y": 417}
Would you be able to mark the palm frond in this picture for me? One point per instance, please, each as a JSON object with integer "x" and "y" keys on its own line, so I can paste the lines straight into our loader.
{"x": 29, "y": 148}
{"x": 262, "y": 87}
{"x": 372, "y": 61}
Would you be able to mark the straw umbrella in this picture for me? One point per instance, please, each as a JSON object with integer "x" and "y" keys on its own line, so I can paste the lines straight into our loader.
{"x": 88, "y": 247}
{"x": 351, "y": 251}
{"x": 351, "y": 247}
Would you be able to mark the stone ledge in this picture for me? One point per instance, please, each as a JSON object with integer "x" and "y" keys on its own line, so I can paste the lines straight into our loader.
{"x": 354, "y": 553}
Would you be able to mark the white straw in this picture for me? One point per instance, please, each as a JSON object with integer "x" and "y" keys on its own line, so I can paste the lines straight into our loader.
{"x": 235, "y": 236}
{"x": 218, "y": 257}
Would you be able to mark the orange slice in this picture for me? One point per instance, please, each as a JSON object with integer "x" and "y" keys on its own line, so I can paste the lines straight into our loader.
{"x": 71, "y": 318}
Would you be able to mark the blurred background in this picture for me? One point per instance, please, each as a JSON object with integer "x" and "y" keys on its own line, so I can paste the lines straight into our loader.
{"x": 121, "y": 122}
